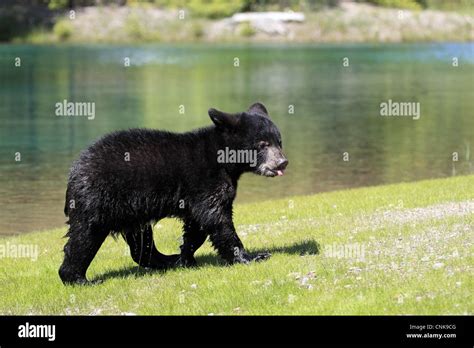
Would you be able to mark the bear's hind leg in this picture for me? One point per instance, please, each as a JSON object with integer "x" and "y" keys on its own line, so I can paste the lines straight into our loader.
{"x": 79, "y": 252}
{"x": 143, "y": 249}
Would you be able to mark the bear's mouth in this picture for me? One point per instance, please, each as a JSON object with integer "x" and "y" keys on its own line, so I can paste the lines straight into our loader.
{"x": 273, "y": 172}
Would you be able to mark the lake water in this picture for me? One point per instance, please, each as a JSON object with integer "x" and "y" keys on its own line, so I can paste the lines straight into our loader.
{"x": 336, "y": 111}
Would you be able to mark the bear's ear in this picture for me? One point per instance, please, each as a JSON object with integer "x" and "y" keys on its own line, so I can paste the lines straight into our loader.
{"x": 223, "y": 119}
{"x": 258, "y": 108}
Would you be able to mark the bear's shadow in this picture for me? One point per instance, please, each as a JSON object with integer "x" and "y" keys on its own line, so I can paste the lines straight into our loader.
{"x": 308, "y": 247}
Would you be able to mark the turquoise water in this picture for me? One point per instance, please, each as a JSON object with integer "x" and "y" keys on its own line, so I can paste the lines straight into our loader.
{"x": 336, "y": 110}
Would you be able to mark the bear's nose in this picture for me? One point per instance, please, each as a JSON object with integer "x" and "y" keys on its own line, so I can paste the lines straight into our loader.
{"x": 282, "y": 164}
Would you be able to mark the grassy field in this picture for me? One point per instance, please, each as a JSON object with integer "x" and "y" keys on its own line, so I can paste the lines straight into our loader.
{"x": 397, "y": 249}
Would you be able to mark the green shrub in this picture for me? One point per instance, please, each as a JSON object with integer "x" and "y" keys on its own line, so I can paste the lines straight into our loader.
{"x": 197, "y": 30}
{"x": 166, "y": 3}
{"x": 63, "y": 29}
{"x": 408, "y": 4}
{"x": 295, "y": 5}
{"x": 462, "y": 6}
{"x": 246, "y": 30}
{"x": 134, "y": 28}
{"x": 215, "y": 8}
{"x": 57, "y": 4}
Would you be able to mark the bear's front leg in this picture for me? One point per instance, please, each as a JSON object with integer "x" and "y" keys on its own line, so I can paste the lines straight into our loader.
{"x": 230, "y": 247}
{"x": 194, "y": 236}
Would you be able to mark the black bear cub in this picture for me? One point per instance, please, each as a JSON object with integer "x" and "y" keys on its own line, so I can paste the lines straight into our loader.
{"x": 127, "y": 180}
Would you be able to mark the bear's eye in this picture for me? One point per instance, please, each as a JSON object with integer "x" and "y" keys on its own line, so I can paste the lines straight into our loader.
{"x": 263, "y": 144}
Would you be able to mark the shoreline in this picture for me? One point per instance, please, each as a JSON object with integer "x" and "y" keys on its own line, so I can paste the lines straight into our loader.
{"x": 348, "y": 23}
{"x": 247, "y": 206}
{"x": 236, "y": 44}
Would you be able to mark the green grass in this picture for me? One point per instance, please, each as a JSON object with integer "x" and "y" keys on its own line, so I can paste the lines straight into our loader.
{"x": 417, "y": 260}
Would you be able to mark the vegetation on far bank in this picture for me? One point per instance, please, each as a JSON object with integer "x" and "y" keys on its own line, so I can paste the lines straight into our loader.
{"x": 52, "y": 21}
{"x": 395, "y": 249}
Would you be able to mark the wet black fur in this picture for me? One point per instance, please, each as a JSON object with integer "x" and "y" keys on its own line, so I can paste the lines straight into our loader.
{"x": 167, "y": 175}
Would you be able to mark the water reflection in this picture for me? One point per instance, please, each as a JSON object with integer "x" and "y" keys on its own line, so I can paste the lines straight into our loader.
{"x": 336, "y": 111}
